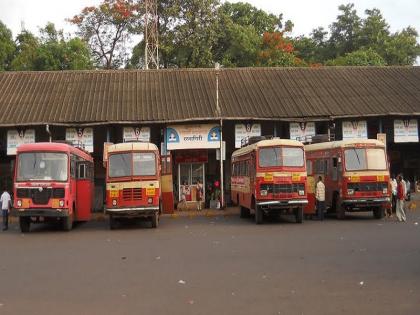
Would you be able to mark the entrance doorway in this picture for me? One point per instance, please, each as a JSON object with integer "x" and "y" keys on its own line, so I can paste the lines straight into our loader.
{"x": 189, "y": 175}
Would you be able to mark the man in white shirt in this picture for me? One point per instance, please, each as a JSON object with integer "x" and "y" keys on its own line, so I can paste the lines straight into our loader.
{"x": 394, "y": 194}
{"x": 6, "y": 202}
{"x": 320, "y": 198}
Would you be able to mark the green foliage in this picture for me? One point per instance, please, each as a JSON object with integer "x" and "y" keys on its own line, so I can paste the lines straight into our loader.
{"x": 50, "y": 52}
{"x": 358, "y": 58}
{"x": 7, "y": 47}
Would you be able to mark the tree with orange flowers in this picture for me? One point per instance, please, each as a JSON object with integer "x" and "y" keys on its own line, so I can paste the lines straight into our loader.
{"x": 107, "y": 28}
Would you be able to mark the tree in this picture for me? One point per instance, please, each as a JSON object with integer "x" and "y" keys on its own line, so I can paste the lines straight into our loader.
{"x": 26, "y": 52}
{"x": 107, "y": 28}
{"x": 7, "y": 47}
{"x": 402, "y": 48}
{"x": 277, "y": 51}
{"x": 360, "y": 57}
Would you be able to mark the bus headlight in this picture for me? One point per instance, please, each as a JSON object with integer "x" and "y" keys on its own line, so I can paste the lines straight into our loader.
{"x": 301, "y": 192}
{"x": 263, "y": 192}
{"x": 150, "y": 200}
{"x": 61, "y": 203}
{"x": 114, "y": 202}
{"x": 19, "y": 203}
{"x": 350, "y": 191}
{"x": 385, "y": 191}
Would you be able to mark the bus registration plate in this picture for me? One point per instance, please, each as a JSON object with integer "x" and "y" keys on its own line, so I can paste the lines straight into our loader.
{"x": 150, "y": 191}
{"x": 295, "y": 177}
{"x": 268, "y": 177}
{"x": 113, "y": 193}
{"x": 380, "y": 178}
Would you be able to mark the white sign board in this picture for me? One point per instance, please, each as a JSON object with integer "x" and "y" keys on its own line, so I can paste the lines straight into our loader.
{"x": 406, "y": 130}
{"x": 136, "y": 133}
{"x": 355, "y": 129}
{"x": 83, "y": 136}
{"x": 18, "y": 137}
{"x": 302, "y": 130}
{"x": 243, "y": 131}
{"x": 193, "y": 137}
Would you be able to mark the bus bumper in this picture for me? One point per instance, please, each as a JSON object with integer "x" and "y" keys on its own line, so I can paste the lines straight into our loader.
{"x": 132, "y": 211}
{"x": 363, "y": 203}
{"x": 46, "y": 213}
{"x": 279, "y": 204}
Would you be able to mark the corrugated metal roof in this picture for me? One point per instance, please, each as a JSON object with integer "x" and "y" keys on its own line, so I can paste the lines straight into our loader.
{"x": 124, "y": 96}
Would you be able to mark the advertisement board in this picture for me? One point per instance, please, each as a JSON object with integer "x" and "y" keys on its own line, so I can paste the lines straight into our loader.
{"x": 82, "y": 136}
{"x": 243, "y": 131}
{"x": 406, "y": 130}
{"x": 193, "y": 137}
{"x": 302, "y": 130}
{"x": 136, "y": 133}
{"x": 355, "y": 129}
{"x": 17, "y": 137}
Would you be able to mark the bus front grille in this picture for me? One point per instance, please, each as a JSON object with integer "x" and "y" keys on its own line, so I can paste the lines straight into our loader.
{"x": 283, "y": 190}
{"x": 132, "y": 194}
{"x": 367, "y": 187}
{"x": 39, "y": 197}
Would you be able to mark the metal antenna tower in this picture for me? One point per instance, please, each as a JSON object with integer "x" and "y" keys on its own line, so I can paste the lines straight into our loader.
{"x": 151, "y": 49}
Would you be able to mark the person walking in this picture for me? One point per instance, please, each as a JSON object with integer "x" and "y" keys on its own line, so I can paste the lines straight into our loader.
{"x": 320, "y": 198}
{"x": 400, "y": 199}
{"x": 6, "y": 202}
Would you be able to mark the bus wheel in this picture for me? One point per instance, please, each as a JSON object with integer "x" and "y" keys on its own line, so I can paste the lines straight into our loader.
{"x": 378, "y": 213}
{"x": 244, "y": 212}
{"x": 25, "y": 224}
{"x": 112, "y": 222}
{"x": 67, "y": 222}
{"x": 155, "y": 220}
{"x": 339, "y": 210}
{"x": 258, "y": 215}
{"x": 299, "y": 215}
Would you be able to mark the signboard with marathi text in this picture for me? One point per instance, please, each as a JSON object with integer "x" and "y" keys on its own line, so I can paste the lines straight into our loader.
{"x": 81, "y": 136}
{"x": 406, "y": 130}
{"x": 243, "y": 131}
{"x": 136, "y": 134}
{"x": 302, "y": 130}
{"x": 192, "y": 137}
{"x": 17, "y": 137}
{"x": 355, "y": 129}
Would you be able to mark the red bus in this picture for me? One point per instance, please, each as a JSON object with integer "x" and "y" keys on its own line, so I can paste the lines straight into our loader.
{"x": 269, "y": 176}
{"x": 132, "y": 182}
{"x": 52, "y": 182}
{"x": 355, "y": 173}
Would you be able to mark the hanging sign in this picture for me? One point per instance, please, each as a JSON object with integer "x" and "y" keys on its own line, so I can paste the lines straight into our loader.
{"x": 302, "y": 130}
{"x": 243, "y": 131}
{"x": 136, "y": 133}
{"x": 355, "y": 129}
{"x": 82, "y": 136}
{"x": 193, "y": 137}
{"x": 406, "y": 130}
{"x": 17, "y": 137}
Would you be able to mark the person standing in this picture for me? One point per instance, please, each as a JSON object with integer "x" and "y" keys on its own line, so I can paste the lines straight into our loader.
{"x": 394, "y": 194}
{"x": 200, "y": 194}
{"x": 6, "y": 202}
{"x": 320, "y": 198}
{"x": 400, "y": 199}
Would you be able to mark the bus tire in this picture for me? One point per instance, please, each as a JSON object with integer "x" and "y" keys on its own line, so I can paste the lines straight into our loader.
{"x": 378, "y": 213}
{"x": 67, "y": 223}
{"x": 244, "y": 212}
{"x": 25, "y": 224}
{"x": 258, "y": 215}
{"x": 155, "y": 220}
{"x": 299, "y": 215}
{"x": 340, "y": 212}
{"x": 112, "y": 222}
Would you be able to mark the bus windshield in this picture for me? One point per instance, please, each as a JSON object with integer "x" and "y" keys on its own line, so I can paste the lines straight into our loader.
{"x": 357, "y": 159}
{"x": 42, "y": 166}
{"x": 132, "y": 164}
{"x": 281, "y": 156}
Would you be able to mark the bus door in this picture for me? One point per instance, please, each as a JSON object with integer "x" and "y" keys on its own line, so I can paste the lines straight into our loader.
{"x": 84, "y": 191}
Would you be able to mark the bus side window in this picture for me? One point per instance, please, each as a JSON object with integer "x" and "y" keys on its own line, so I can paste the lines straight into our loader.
{"x": 73, "y": 166}
{"x": 309, "y": 167}
{"x": 334, "y": 168}
{"x": 82, "y": 171}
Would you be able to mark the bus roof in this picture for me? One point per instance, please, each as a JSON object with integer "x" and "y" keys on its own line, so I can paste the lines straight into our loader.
{"x": 132, "y": 146}
{"x": 53, "y": 146}
{"x": 342, "y": 144}
{"x": 267, "y": 143}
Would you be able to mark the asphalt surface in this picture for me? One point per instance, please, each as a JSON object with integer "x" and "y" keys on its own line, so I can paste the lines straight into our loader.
{"x": 214, "y": 265}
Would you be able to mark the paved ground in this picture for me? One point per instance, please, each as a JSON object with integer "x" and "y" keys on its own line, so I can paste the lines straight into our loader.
{"x": 214, "y": 265}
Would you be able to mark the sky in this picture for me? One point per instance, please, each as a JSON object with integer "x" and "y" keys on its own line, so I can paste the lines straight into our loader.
{"x": 305, "y": 14}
